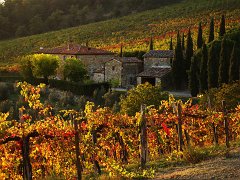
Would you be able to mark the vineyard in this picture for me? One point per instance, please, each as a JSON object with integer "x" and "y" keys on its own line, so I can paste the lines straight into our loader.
{"x": 69, "y": 144}
{"x": 133, "y": 31}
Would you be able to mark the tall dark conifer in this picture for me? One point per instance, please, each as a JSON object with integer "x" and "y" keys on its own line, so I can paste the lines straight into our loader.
{"x": 213, "y": 64}
{"x": 222, "y": 29}
{"x": 171, "y": 48}
{"x": 211, "y": 31}
{"x": 200, "y": 37}
{"x": 151, "y": 44}
{"x": 178, "y": 70}
{"x": 193, "y": 77}
{"x": 203, "y": 83}
{"x": 121, "y": 51}
{"x": 189, "y": 50}
{"x": 183, "y": 42}
{"x": 225, "y": 54}
{"x": 234, "y": 65}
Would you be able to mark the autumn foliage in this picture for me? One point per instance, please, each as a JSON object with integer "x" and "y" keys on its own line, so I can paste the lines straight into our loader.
{"x": 107, "y": 141}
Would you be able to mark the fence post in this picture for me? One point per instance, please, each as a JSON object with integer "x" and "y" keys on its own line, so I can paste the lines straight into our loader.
{"x": 143, "y": 137}
{"x": 77, "y": 152}
{"x": 180, "y": 134}
{"x": 215, "y": 135}
{"x": 27, "y": 168}
{"x": 95, "y": 162}
{"x": 226, "y": 123}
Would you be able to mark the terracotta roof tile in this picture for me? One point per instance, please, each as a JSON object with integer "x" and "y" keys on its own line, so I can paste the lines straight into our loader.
{"x": 75, "y": 49}
{"x": 155, "y": 72}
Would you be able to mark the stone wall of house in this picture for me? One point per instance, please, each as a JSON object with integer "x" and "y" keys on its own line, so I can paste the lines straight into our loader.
{"x": 94, "y": 62}
{"x": 113, "y": 71}
{"x": 154, "y": 62}
{"x": 91, "y": 62}
{"x": 129, "y": 73}
{"x": 98, "y": 77}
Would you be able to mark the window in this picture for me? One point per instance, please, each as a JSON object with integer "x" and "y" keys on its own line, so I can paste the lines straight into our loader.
{"x": 132, "y": 81}
{"x": 113, "y": 68}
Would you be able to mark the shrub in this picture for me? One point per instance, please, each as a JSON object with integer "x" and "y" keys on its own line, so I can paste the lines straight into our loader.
{"x": 5, "y": 90}
{"x": 5, "y": 106}
{"x": 195, "y": 155}
{"x": 98, "y": 96}
{"x": 142, "y": 94}
{"x": 74, "y": 70}
{"x": 67, "y": 98}
{"x": 228, "y": 92}
{"x": 54, "y": 96}
{"x": 112, "y": 97}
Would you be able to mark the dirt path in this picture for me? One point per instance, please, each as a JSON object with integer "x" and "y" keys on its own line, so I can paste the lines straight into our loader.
{"x": 218, "y": 168}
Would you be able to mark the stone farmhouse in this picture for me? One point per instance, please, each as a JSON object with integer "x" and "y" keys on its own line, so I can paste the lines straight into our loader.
{"x": 102, "y": 66}
{"x": 126, "y": 72}
{"x": 92, "y": 58}
{"x": 157, "y": 67}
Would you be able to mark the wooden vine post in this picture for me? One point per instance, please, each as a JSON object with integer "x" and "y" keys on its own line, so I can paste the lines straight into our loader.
{"x": 180, "y": 133}
{"x": 77, "y": 151}
{"x": 143, "y": 137}
{"x": 95, "y": 162}
{"x": 27, "y": 168}
{"x": 178, "y": 110}
{"x": 215, "y": 135}
{"x": 226, "y": 123}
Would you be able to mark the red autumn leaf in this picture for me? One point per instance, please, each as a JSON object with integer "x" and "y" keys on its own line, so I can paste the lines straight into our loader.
{"x": 166, "y": 129}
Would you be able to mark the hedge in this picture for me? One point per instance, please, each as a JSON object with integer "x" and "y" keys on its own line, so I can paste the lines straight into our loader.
{"x": 75, "y": 88}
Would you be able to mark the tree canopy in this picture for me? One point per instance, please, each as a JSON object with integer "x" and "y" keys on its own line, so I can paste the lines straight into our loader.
{"x": 48, "y": 15}
{"x": 74, "y": 70}
{"x": 45, "y": 65}
{"x": 142, "y": 94}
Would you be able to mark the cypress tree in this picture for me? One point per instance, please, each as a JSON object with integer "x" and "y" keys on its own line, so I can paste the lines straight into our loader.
{"x": 211, "y": 31}
{"x": 225, "y": 54}
{"x": 222, "y": 29}
{"x": 189, "y": 50}
{"x": 178, "y": 64}
{"x": 151, "y": 44}
{"x": 234, "y": 65}
{"x": 213, "y": 64}
{"x": 203, "y": 84}
{"x": 193, "y": 77}
{"x": 121, "y": 51}
{"x": 171, "y": 48}
{"x": 199, "y": 38}
{"x": 183, "y": 42}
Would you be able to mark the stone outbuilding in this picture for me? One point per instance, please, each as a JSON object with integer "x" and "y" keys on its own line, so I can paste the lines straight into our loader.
{"x": 157, "y": 67}
{"x": 122, "y": 71}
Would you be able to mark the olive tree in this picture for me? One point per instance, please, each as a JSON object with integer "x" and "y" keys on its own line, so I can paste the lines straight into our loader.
{"x": 142, "y": 94}
{"x": 74, "y": 70}
{"x": 45, "y": 65}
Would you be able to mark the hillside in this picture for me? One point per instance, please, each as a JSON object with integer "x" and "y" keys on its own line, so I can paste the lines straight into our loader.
{"x": 48, "y": 15}
{"x": 132, "y": 31}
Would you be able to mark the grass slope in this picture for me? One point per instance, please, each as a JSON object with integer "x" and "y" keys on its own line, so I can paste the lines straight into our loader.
{"x": 132, "y": 31}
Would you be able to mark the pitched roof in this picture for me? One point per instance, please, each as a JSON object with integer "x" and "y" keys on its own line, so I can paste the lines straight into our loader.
{"x": 156, "y": 72}
{"x": 127, "y": 60}
{"x": 159, "y": 54}
{"x": 74, "y": 49}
